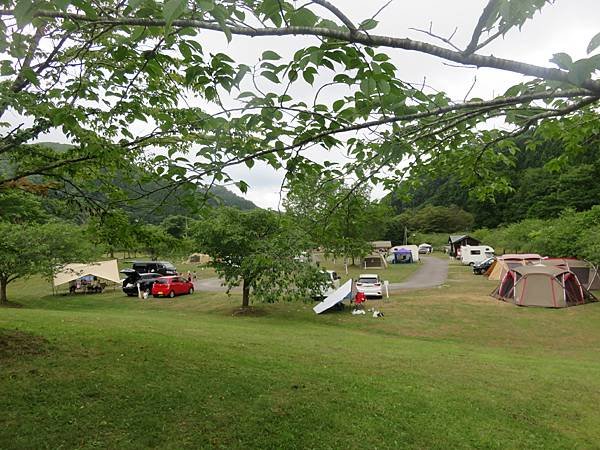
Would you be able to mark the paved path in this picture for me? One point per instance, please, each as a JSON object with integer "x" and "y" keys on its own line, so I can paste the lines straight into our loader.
{"x": 433, "y": 272}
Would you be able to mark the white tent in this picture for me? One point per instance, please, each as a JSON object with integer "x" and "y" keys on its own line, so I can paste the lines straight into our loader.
{"x": 414, "y": 250}
{"x": 107, "y": 270}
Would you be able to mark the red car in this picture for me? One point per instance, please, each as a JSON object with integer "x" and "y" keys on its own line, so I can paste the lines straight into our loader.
{"x": 171, "y": 286}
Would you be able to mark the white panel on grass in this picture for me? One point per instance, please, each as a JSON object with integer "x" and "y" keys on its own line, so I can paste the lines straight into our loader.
{"x": 336, "y": 297}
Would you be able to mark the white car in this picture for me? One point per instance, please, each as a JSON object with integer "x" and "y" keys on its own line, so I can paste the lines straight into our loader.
{"x": 333, "y": 283}
{"x": 369, "y": 284}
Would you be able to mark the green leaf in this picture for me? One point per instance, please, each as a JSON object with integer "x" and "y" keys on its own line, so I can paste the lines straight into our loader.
{"x": 172, "y": 9}
{"x": 24, "y": 10}
{"x": 338, "y": 104}
{"x": 270, "y": 76}
{"x": 62, "y": 4}
{"x": 206, "y": 5}
{"x": 562, "y": 60}
{"x": 594, "y": 44}
{"x": 270, "y": 55}
{"x": 303, "y": 18}
{"x": 309, "y": 75}
{"x": 368, "y": 24}
{"x": 85, "y": 6}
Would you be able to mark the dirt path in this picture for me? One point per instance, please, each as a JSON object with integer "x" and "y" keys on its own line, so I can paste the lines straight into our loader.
{"x": 433, "y": 272}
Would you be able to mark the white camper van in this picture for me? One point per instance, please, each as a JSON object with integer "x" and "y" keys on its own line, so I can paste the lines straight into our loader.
{"x": 472, "y": 254}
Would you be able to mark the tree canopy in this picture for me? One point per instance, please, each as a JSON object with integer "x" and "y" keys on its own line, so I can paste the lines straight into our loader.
{"x": 258, "y": 249}
{"x": 129, "y": 82}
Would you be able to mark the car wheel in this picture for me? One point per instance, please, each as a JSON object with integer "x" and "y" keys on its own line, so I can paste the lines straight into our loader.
{"x": 191, "y": 291}
{"x": 171, "y": 294}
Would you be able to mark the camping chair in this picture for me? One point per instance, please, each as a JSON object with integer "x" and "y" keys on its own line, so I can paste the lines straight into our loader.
{"x": 359, "y": 300}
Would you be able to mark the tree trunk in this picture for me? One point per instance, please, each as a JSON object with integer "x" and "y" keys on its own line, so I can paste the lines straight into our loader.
{"x": 245, "y": 294}
{"x": 3, "y": 298}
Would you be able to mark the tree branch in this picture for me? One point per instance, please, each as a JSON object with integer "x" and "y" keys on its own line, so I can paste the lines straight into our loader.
{"x": 485, "y": 15}
{"x": 358, "y": 37}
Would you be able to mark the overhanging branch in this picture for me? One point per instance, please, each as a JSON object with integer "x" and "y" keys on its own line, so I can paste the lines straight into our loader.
{"x": 358, "y": 37}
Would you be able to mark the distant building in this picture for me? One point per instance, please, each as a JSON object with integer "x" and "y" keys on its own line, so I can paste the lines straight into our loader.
{"x": 381, "y": 246}
{"x": 455, "y": 242}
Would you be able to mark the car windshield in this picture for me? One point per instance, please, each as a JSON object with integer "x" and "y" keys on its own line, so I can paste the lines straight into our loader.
{"x": 169, "y": 266}
{"x": 368, "y": 280}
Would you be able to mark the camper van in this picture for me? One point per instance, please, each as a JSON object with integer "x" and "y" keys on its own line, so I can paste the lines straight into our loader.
{"x": 472, "y": 254}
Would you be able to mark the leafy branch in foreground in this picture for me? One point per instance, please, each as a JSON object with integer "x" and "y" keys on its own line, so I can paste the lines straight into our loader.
{"x": 130, "y": 83}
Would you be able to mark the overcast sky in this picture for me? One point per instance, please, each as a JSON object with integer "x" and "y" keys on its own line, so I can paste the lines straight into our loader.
{"x": 567, "y": 26}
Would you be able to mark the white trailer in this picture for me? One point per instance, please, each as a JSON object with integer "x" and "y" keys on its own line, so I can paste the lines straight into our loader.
{"x": 472, "y": 254}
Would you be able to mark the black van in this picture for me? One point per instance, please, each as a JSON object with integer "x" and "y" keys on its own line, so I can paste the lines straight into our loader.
{"x": 163, "y": 267}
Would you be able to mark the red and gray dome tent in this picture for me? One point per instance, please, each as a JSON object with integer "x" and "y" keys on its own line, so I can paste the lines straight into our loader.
{"x": 550, "y": 287}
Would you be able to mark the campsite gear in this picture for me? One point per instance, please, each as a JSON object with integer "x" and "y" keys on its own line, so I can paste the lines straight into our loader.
{"x": 360, "y": 298}
{"x": 374, "y": 262}
{"x": 73, "y": 274}
{"x": 402, "y": 256}
{"x": 414, "y": 251}
{"x": 425, "y": 248}
{"x": 504, "y": 263}
{"x": 356, "y": 312}
{"x": 586, "y": 272}
{"x": 538, "y": 285}
{"x": 342, "y": 293}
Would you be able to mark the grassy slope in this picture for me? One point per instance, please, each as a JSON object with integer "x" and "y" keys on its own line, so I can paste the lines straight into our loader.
{"x": 445, "y": 368}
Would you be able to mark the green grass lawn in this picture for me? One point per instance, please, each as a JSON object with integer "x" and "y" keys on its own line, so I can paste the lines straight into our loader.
{"x": 445, "y": 368}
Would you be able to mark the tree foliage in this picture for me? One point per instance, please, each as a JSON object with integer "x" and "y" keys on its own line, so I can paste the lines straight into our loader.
{"x": 572, "y": 234}
{"x": 258, "y": 249}
{"x": 122, "y": 79}
{"x": 40, "y": 249}
{"x": 340, "y": 219}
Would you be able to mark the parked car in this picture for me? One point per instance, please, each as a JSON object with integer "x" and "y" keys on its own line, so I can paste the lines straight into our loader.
{"x": 171, "y": 286}
{"x": 145, "y": 280}
{"x": 164, "y": 268}
{"x": 482, "y": 267}
{"x": 333, "y": 283}
{"x": 369, "y": 284}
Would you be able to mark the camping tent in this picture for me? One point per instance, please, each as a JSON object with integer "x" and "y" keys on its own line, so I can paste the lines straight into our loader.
{"x": 107, "y": 270}
{"x": 413, "y": 249}
{"x": 586, "y": 272}
{"x": 374, "y": 262}
{"x": 509, "y": 261}
{"x": 402, "y": 256}
{"x": 199, "y": 258}
{"x": 538, "y": 285}
{"x": 425, "y": 248}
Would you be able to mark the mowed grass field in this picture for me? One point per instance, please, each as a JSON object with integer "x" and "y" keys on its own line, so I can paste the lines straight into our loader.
{"x": 445, "y": 368}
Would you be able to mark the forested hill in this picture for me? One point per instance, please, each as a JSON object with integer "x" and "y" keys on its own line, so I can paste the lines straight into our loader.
{"x": 542, "y": 185}
{"x": 145, "y": 196}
